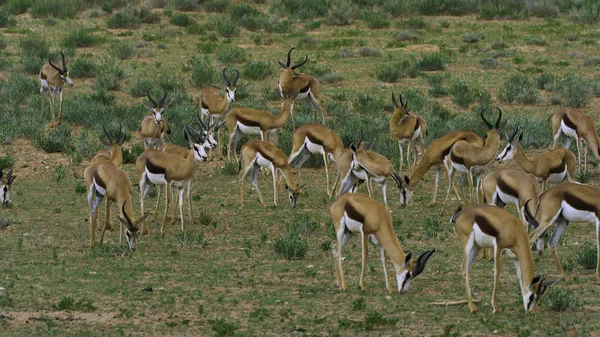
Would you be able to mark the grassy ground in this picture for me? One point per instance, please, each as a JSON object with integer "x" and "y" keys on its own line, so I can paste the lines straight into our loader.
{"x": 226, "y": 278}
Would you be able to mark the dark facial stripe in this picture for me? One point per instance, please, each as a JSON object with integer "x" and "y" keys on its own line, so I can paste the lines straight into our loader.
{"x": 154, "y": 169}
{"x": 486, "y": 225}
{"x": 568, "y": 122}
{"x": 506, "y": 188}
{"x": 578, "y": 203}
{"x": 353, "y": 213}
{"x": 558, "y": 169}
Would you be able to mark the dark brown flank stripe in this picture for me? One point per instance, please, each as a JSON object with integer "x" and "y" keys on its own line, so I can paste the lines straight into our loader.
{"x": 506, "y": 188}
{"x": 558, "y": 169}
{"x": 416, "y": 125}
{"x": 353, "y": 213}
{"x": 99, "y": 180}
{"x": 266, "y": 156}
{"x": 305, "y": 89}
{"x": 446, "y": 151}
{"x": 313, "y": 139}
{"x": 578, "y": 203}
{"x": 43, "y": 76}
{"x": 485, "y": 225}
{"x": 569, "y": 123}
{"x": 247, "y": 122}
{"x": 154, "y": 169}
{"x": 456, "y": 159}
{"x": 204, "y": 106}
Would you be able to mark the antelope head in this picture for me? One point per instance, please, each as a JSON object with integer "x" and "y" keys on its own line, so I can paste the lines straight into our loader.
{"x": 535, "y": 291}
{"x": 288, "y": 100}
{"x": 231, "y": 85}
{"x": 412, "y": 269}
{"x": 62, "y": 72}
{"x": 114, "y": 144}
{"x": 196, "y": 140}
{"x": 294, "y": 193}
{"x": 508, "y": 151}
{"x": 132, "y": 231}
{"x": 158, "y": 109}
{"x": 287, "y": 71}
{"x": 5, "y": 183}
{"x": 493, "y": 129}
{"x": 210, "y": 130}
{"x": 403, "y": 107}
{"x": 403, "y": 187}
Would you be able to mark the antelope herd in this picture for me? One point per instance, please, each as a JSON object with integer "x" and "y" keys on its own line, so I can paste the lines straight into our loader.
{"x": 172, "y": 168}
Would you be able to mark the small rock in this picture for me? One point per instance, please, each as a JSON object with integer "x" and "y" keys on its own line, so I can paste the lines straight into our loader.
{"x": 310, "y": 266}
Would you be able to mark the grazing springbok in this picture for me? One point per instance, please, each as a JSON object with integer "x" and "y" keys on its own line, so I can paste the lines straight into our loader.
{"x": 53, "y": 79}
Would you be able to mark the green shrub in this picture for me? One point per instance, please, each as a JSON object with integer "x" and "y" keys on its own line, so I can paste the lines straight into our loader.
{"x": 574, "y": 90}
{"x": 18, "y": 6}
{"x": 489, "y": 63}
{"x": 230, "y": 168}
{"x": 181, "y": 20}
{"x": 345, "y": 52}
{"x": 431, "y": 62}
{"x": 230, "y": 54}
{"x": 587, "y": 13}
{"x": 3, "y": 45}
{"x": 202, "y": 72}
{"x": 124, "y": 19}
{"x": 406, "y": 36}
{"x": 68, "y": 303}
{"x": 6, "y": 161}
{"x": 462, "y": 94}
{"x": 216, "y": 6}
{"x": 122, "y": 50}
{"x": 342, "y": 13}
{"x": 33, "y": 45}
{"x": 518, "y": 88}
{"x": 537, "y": 42}
{"x": 560, "y": 299}
{"x": 395, "y": 7}
{"x": 473, "y": 37}
{"x": 186, "y": 5}
{"x": 436, "y": 83}
{"x": 80, "y": 38}
{"x": 226, "y": 26}
{"x": 369, "y": 52}
{"x": 587, "y": 256}
{"x": 546, "y": 81}
{"x": 281, "y": 27}
{"x": 412, "y": 23}
{"x": 83, "y": 67}
{"x": 6, "y": 20}
{"x": 303, "y": 222}
{"x": 110, "y": 77}
{"x": 375, "y": 19}
{"x": 389, "y": 73}
{"x": 223, "y": 328}
{"x": 131, "y": 155}
{"x": 60, "y": 9}
{"x": 291, "y": 245}
{"x": 258, "y": 70}
{"x": 58, "y": 140}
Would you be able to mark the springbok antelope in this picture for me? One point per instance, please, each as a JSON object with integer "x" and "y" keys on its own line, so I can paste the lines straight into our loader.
{"x": 407, "y": 127}
{"x": 53, "y": 79}
{"x": 245, "y": 121}
{"x": 552, "y": 167}
{"x": 112, "y": 183}
{"x": 114, "y": 153}
{"x": 316, "y": 139}
{"x": 6, "y": 181}
{"x": 485, "y": 226}
{"x": 575, "y": 124}
{"x": 371, "y": 167}
{"x": 212, "y": 105}
{"x": 154, "y": 125}
{"x": 307, "y": 86}
{"x": 357, "y": 213}
{"x": 562, "y": 204}
{"x": 434, "y": 156}
{"x": 156, "y": 167}
{"x": 258, "y": 153}
{"x": 468, "y": 158}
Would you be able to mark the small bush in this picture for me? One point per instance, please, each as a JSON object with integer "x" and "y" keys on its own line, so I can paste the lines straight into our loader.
{"x": 431, "y": 62}
{"x": 490, "y": 63}
{"x": 342, "y": 13}
{"x": 555, "y": 100}
{"x": 68, "y": 303}
{"x": 18, "y": 6}
{"x": 389, "y": 73}
{"x": 281, "y": 27}
{"x": 181, "y": 20}
{"x": 291, "y": 245}
{"x": 432, "y": 227}
{"x": 145, "y": 15}
{"x": 131, "y": 155}
{"x": 3, "y": 45}
{"x": 518, "y": 88}
{"x": 546, "y": 81}
{"x": 258, "y": 70}
{"x": 34, "y": 46}
{"x": 331, "y": 78}
{"x": 303, "y": 222}
{"x": 216, "y": 6}
{"x": 6, "y": 161}
{"x": 369, "y": 52}
{"x": 230, "y": 168}
{"x": 587, "y": 256}
{"x": 537, "y": 42}
{"x": 463, "y": 94}
{"x": 187, "y": 5}
{"x": 6, "y": 20}
{"x": 230, "y": 54}
{"x": 60, "y": 9}
{"x": 345, "y": 52}
{"x": 124, "y": 19}
{"x": 571, "y": 37}
{"x": 587, "y": 13}
{"x": 499, "y": 45}
{"x": 574, "y": 90}
{"x": 80, "y": 38}
{"x": 58, "y": 140}
{"x": 591, "y": 62}
{"x": 560, "y": 299}
{"x": 83, "y": 67}
{"x": 473, "y": 37}
{"x": 226, "y": 26}
{"x": 375, "y": 19}
{"x": 436, "y": 85}
{"x": 110, "y": 77}
{"x": 202, "y": 72}
{"x": 122, "y": 50}
{"x": 406, "y": 36}
{"x": 223, "y": 328}
{"x": 413, "y": 23}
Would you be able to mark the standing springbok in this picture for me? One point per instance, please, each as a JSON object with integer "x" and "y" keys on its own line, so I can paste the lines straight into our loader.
{"x": 407, "y": 127}
{"x": 307, "y": 86}
{"x": 154, "y": 125}
{"x": 53, "y": 79}
{"x": 5, "y": 184}
{"x": 485, "y": 226}
{"x": 357, "y": 213}
{"x": 575, "y": 124}
{"x": 553, "y": 166}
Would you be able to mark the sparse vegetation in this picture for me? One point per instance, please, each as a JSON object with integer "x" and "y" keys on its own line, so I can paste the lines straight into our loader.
{"x": 518, "y": 89}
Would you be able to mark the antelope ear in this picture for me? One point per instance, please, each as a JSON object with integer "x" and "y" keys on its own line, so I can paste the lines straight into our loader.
{"x": 407, "y": 258}
{"x": 123, "y": 221}
{"x": 141, "y": 219}
{"x": 301, "y": 188}
{"x": 535, "y": 281}
{"x": 406, "y": 179}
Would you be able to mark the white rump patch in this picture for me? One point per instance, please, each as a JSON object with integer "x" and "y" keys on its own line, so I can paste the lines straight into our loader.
{"x": 262, "y": 161}
{"x": 481, "y": 239}
{"x": 156, "y": 179}
{"x": 99, "y": 189}
{"x": 312, "y": 147}
{"x": 353, "y": 225}
{"x": 567, "y": 130}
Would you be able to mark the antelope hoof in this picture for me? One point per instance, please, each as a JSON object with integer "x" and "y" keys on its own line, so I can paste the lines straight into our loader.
{"x": 431, "y": 204}
{"x": 472, "y": 308}
{"x": 53, "y": 123}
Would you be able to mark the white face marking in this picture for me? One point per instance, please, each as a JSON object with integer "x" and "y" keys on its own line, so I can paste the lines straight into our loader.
{"x": 567, "y": 130}
{"x": 262, "y": 161}
{"x": 481, "y": 239}
{"x": 248, "y": 130}
{"x": 131, "y": 239}
{"x": 156, "y": 179}
{"x": 230, "y": 94}
{"x": 211, "y": 142}
{"x": 157, "y": 116}
{"x": 506, "y": 154}
{"x": 4, "y": 194}
{"x": 403, "y": 281}
{"x": 312, "y": 147}
{"x": 199, "y": 152}
{"x": 67, "y": 79}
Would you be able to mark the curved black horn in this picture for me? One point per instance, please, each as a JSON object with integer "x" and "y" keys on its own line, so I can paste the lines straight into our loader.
{"x": 110, "y": 142}
{"x": 289, "y": 59}
{"x": 118, "y": 138}
{"x": 514, "y": 133}
{"x": 360, "y": 139}
{"x": 421, "y": 261}
{"x": 394, "y": 100}
{"x": 499, "y": 117}
{"x": 63, "y": 60}
{"x": 237, "y": 77}
{"x": 401, "y": 102}
{"x": 300, "y": 64}
{"x": 162, "y": 101}
{"x": 154, "y": 104}
{"x": 485, "y": 120}
{"x": 125, "y": 214}
{"x": 54, "y": 66}
{"x": 225, "y": 77}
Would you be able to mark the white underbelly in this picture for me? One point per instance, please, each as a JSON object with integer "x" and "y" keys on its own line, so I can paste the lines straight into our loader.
{"x": 262, "y": 161}
{"x": 417, "y": 133}
{"x": 352, "y": 225}
{"x": 303, "y": 95}
{"x": 99, "y": 189}
{"x": 360, "y": 174}
{"x": 248, "y": 130}
{"x": 312, "y": 147}
{"x": 556, "y": 178}
{"x": 507, "y": 198}
{"x": 205, "y": 112}
{"x": 567, "y": 130}
{"x": 481, "y": 239}
{"x": 156, "y": 179}
{"x": 576, "y": 215}
{"x": 44, "y": 83}
{"x": 459, "y": 167}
